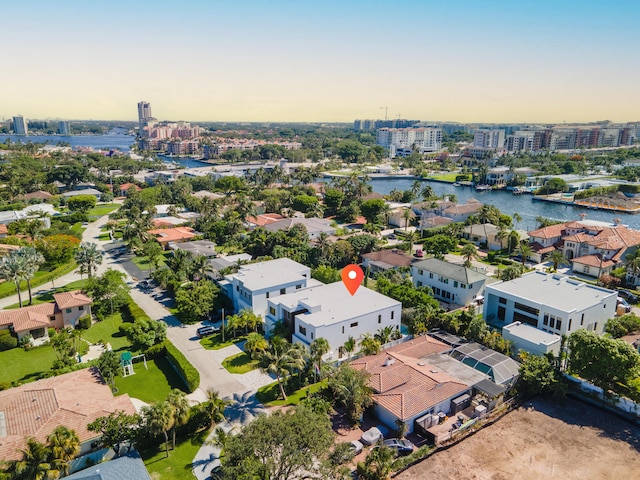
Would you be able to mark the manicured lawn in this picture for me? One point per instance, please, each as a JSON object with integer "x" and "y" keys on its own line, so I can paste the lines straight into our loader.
{"x": 152, "y": 385}
{"x": 178, "y": 465}
{"x": 214, "y": 342}
{"x": 107, "y": 331}
{"x": 20, "y": 365}
{"x": 104, "y": 209}
{"x": 240, "y": 363}
{"x": 143, "y": 262}
{"x": 445, "y": 177}
{"x": 270, "y": 395}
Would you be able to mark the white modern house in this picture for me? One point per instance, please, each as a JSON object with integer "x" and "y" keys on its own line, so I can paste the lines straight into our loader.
{"x": 256, "y": 283}
{"x": 331, "y": 312}
{"x": 449, "y": 282}
{"x": 553, "y": 303}
{"x": 531, "y": 339}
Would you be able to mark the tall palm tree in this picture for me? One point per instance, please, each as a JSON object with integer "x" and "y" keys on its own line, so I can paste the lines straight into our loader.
{"x": 65, "y": 446}
{"x": 89, "y": 256}
{"x": 13, "y": 268}
{"x": 385, "y": 212}
{"x": 517, "y": 218}
{"x": 369, "y": 345}
{"x": 215, "y": 406}
{"x": 34, "y": 464}
{"x": 158, "y": 419}
{"x": 524, "y": 250}
{"x": 349, "y": 346}
{"x": 407, "y": 214}
{"x": 200, "y": 268}
{"x": 557, "y": 258}
{"x": 469, "y": 252}
{"x": 411, "y": 238}
{"x": 427, "y": 192}
{"x": 180, "y": 411}
{"x": 179, "y": 263}
{"x": 324, "y": 244}
{"x": 255, "y": 343}
{"x": 33, "y": 259}
{"x": 319, "y": 347}
{"x": 280, "y": 360}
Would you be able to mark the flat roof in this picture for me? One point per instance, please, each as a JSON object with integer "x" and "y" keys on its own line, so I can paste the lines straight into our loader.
{"x": 531, "y": 334}
{"x": 335, "y": 304}
{"x": 272, "y": 273}
{"x": 556, "y": 291}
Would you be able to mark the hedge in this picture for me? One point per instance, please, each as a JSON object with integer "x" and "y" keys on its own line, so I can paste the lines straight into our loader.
{"x": 130, "y": 311}
{"x": 41, "y": 280}
{"x": 187, "y": 371}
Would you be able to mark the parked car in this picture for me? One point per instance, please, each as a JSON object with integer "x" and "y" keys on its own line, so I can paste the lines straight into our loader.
{"x": 629, "y": 296}
{"x": 356, "y": 447}
{"x": 206, "y": 331}
{"x": 400, "y": 446}
{"x": 419, "y": 253}
{"x": 623, "y": 302}
{"x": 372, "y": 435}
{"x": 392, "y": 236}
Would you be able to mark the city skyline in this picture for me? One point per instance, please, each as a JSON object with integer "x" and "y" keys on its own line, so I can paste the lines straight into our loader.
{"x": 472, "y": 62}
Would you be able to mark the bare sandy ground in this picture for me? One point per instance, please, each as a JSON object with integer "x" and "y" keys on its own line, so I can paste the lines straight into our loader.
{"x": 541, "y": 440}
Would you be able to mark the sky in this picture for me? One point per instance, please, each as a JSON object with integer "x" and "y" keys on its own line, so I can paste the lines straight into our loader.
{"x": 523, "y": 61}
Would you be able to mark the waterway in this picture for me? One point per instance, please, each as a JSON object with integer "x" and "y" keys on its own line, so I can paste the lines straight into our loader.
{"x": 111, "y": 141}
{"x": 509, "y": 203}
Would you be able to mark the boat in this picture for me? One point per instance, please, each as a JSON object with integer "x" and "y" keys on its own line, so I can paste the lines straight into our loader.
{"x": 457, "y": 184}
{"x": 483, "y": 188}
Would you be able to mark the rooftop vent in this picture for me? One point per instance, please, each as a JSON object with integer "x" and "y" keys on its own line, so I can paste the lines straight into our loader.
{"x": 433, "y": 371}
{"x": 389, "y": 361}
{"x": 422, "y": 364}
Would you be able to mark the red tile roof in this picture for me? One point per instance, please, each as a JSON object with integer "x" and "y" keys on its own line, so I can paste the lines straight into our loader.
{"x": 22, "y": 318}
{"x": 391, "y": 257}
{"x": 73, "y": 400}
{"x": 166, "y": 235}
{"x": 265, "y": 219}
{"x": 71, "y": 299}
{"x": 3, "y": 229}
{"x": 552, "y": 231}
{"x": 594, "y": 261}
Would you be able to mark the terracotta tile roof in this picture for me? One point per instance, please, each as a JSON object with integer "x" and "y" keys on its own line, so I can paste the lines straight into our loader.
{"x": 36, "y": 409}
{"x": 23, "y": 318}
{"x": 595, "y": 260}
{"x": 405, "y": 385}
{"x": 4, "y": 230}
{"x": 462, "y": 209}
{"x": 419, "y": 347}
{"x": 38, "y": 194}
{"x": 540, "y": 249}
{"x": 71, "y": 299}
{"x": 391, "y": 257}
{"x": 265, "y": 219}
{"x": 552, "y": 231}
{"x": 166, "y": 235}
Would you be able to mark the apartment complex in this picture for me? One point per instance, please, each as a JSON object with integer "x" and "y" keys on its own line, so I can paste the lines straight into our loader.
{"x": 423, "y": 139}
{"x": 484, "y": 138}
{"x": 20, "y": 125}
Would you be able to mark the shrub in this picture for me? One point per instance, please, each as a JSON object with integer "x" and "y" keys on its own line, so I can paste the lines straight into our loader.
{"x": 7, "y": 342}
{"x": 157, "y": 350}
{"x": 506, "y": 261}
{"x": 51, "y": 331}
{"x": 84, "y": 322}
{"x": 187, "y": 371}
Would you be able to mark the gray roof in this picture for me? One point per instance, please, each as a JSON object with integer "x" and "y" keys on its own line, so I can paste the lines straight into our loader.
{"x": 126, "y": 467}
{"x": 531, "y": 334}
{"x": 229, "y": 261}
{"x": 481, "y": 229}
{"x": 86, "y": 191}
{"x": 197, "y": 247}
{"x": 556, "y": 291}
{"x": 313, "y": 225}
{"x": 272, "y": 273}
{"x": 451, "y": 270}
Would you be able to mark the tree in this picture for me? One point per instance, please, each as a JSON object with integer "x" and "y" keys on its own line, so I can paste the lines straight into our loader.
{"x": 525, "y": 251}
{"x": 489, "y": 214}
{"x": 33, "y": 259}
{"x": 180, "y": 411}
{"x": 605, "y": 362}
{"x": 116, "y": 429}
{"x": 350, "y": 150}
{"x": 35, "y": 463}
{"x": 439, "y": 245}
{"x": 538, "y": 375}
{"x": 283, "y": 446}
{"x": 554, "y": 185}
{"x": 82, "y": 203}
{"x": 57, "y": 249}
{"x": 350, "y": 388}
{"x": 109, "y": 366}
{"x": 89, "y": 256}
{"x": 304, "y": 203}
{"x": 510, "y": 272}
{"x": 319, "y": 347}
{"x": 108, "y": 292}
{"x": 64, "y": 445}
{"x": 369, "y": 345}
{"x": 326, "y": 274}
{"x": 408, "y": 215}
{"x": 372, "y": 209}
{"x": 195, "y": 300}
{"x": 144, "y": 333}
{"x": 620, "y": 326}
{"x": 469, "y": 253}
{"x": 13, "y": 268}
{"x": 158, "y": 419}
{"x": 557, "y": 258}
{"x": 378, "y": 464}
{"x": 350, "y": 345}
{"x": 280, "y": 359}
{"x": 153, "y": 251}
{"x": 255, "y": 343}
{"x": 214, "y": 406}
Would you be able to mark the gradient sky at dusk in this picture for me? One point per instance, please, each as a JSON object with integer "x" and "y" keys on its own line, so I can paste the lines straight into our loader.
{"x": 330, "y": 60}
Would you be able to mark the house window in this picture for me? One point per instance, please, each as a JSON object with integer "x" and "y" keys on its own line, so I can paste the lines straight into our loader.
{"x": 267, "y": 294}
{"x": 52, "y": 318}
{"x": 392, "y": 312}
{"x": 569, "y": 327}
{"x": 237, "y": 288}
{"x": 585, "y": 269}
{"x": 502, "y": 313}
{"x": 419, "y": 284}
{"x": 431, "y": 275}
{"x": 558, "y": 324}
{"x": 298, "y": 287}
{"x": 81, "y": 307}
{"x": 302, "y": 330}
{"x": 272, "y": 310}
{"x": 582, "y": 320}
{"x": 68, "y": 310}
{"x": 354, "y": 324}
{"x": 379, "y": 318}
{"x": 595, "y": 326}
{"x": 420, "y": 272}
{"x": 343, "y": 329}
{"x": 283, "y": 291}
{"x": 502, "y": 300}
{"x": 545, "y": 320}
{"x": 311, "y": 335}
{"x": 455, "y": 284}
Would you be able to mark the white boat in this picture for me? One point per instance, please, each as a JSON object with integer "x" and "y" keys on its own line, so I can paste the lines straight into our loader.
{"x": 483, "y": 188}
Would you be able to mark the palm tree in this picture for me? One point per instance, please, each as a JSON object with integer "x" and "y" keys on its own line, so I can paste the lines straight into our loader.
{"x": 33, "y": 259}
{"x": 524, "y": 250}
{"x": 158, "y": 419}
{"x": 34, "y": 464}
{"x": 385, "y": 212}
{"x": 215, "y": 406}
{"x": 89, "y": 256}
{"x": 469, "y": 252}
{"x": 13, "y": 268}
{"x": 179, "y": 263}
{"x": 200, "y": 268}
{"x": 255, "y": 343}
{"x": 407, "y": 214}
{"x": 378, "y": 464}
{"x": 319, "y": 347}
{"x": 280, "y": 360}
{"x": 349, "y": 346}
{"x": 411, "y": 238}
{"x": 179, "y": 404}
{"x": 557, "y": 258}
{"x": 427, "y": 192}
{"x": 65, "y": 446}
{"x": 369, "y": 345}
{"x": 517, "y": 218}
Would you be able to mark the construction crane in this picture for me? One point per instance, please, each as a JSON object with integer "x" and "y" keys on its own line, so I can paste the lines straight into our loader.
{"x": 386, "y": 112}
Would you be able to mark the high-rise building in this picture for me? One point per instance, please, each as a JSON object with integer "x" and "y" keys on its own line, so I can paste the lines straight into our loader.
{"x": 144, "y": 110}
{"x": 64, "y": 128}
{"x": 423, "y": 139}
{"x": 20, "y": 125}
{"x": 488, "y": 138}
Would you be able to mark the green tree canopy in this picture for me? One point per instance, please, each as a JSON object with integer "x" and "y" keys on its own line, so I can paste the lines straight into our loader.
{"x": 82, "y": 203}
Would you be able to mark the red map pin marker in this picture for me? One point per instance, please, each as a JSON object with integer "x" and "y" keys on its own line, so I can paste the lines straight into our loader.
{"x": 352, "y": 276}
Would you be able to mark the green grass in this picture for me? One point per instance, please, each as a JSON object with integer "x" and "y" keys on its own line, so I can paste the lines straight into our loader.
{"x": 240, "y": 363}
{"x": 152, "y": 385}
{"x": 107, "y": 331}
{"x": 178, "y": 465}
{"x": 48, "y": 297}
{"x": 143, "y": 262}
{"x": 41, "y": 277}
{"x": 445, "y": 177}
{"x": 214, "y": 342}
{"x": 269, "y": 395}
{"x": 20, "y": 365}
{"x": 104, "y": 209}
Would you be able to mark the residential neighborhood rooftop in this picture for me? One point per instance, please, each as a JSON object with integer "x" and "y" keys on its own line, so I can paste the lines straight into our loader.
{"x": 257, "y": 276}
{"x": 453, "y": 271}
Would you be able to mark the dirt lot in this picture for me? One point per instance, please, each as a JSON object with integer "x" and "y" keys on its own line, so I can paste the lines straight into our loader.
{"x": 541, "y": 440}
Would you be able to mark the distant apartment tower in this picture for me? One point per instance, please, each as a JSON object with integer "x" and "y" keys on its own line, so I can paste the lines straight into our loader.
{"x": 485, "y": 138}
{"x": 64, "y": 128}
{"x": 20, "y": 125}
{"x": 422, "y": 139}
{"x": 144, "y": 110}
